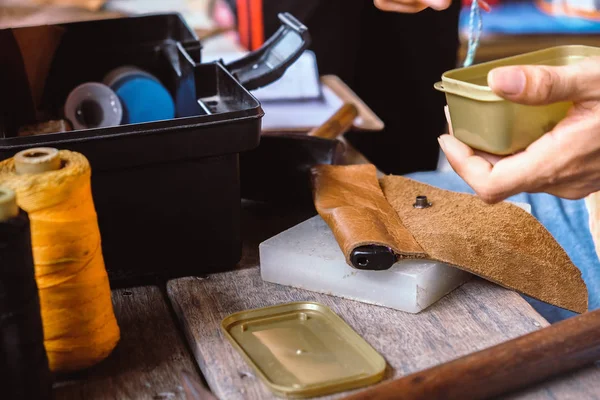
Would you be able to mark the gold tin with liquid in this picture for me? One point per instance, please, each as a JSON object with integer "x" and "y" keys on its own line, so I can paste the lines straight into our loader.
{"x": 303, "y": 349}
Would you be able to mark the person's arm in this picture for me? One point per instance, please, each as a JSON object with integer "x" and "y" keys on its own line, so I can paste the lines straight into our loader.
{"x": 565, "y": 162}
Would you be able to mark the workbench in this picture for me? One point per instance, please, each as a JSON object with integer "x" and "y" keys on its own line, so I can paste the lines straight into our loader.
{"x": 175, "y": 327}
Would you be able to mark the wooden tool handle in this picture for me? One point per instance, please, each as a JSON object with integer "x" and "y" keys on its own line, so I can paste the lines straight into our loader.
{"x": 338, "y": 123}
{"x": 504, "y": 368}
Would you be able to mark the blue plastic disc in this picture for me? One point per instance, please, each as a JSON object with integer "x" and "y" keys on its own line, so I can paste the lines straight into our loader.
{"x": 143, "y": 97}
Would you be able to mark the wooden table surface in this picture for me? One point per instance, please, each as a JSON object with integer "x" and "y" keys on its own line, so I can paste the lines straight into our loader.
{"x": 147, "y": 362}
{"x": 164, "y": 329}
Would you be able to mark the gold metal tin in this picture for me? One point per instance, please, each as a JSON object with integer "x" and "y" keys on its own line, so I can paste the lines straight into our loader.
{"x": 487, "y": 122}
{"x": 303, "y": 349}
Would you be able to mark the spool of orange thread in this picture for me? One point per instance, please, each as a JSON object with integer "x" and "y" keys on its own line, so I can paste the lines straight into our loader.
{"x": 54, "y": 188}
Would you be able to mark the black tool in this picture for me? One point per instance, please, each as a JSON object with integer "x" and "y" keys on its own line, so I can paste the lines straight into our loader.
{"x": 373, "y": 258}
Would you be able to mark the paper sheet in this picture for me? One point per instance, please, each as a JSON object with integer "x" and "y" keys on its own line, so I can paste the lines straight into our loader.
{"x": 300, "y": 82}
{"x": 300, "y": 115}
{"x": 194, "y": 12}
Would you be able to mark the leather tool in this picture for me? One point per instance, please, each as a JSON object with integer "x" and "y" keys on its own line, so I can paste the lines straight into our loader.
{"x": 370, "y": 257}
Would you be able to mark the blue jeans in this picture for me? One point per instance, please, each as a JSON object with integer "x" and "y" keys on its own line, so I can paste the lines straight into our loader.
{"x": 566, "y": 220}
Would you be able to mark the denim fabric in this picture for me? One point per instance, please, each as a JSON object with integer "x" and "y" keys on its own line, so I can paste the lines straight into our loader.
{"x": 566, "y": 220}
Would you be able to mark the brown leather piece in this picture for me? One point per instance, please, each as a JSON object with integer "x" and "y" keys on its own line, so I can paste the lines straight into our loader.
{"x": 353, "y": 205}
{"x": 501, "y": 243}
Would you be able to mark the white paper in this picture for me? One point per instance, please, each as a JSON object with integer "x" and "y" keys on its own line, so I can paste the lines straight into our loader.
{"x": 283, "y": 115}
{"x": 300, "y": 82}
{"x": 301, "y": 114}
{"x": 195, "y": 13}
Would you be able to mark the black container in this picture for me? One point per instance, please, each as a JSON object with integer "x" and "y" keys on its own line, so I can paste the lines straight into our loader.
{"x": 167, "y": 193}
{"x": 278, "y": 171}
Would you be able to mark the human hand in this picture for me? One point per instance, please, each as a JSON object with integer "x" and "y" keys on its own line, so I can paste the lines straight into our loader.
{"x": 564, "y": 162}
{"x": 411, "y": 6}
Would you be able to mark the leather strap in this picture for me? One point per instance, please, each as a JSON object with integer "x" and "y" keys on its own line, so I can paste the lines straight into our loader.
{"x": 353, "y": 205}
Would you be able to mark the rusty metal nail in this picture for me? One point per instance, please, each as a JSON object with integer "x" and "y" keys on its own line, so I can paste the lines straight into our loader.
{"x": 421, "y": 202}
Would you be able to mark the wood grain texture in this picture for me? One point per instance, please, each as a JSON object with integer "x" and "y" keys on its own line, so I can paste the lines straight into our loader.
{"x": 338, "y": 124}
{"x": 147, "y": 362}
{"x": 368, "y": 120}
{"x": 546, "y": 353}
{"x": 476, "y": 316}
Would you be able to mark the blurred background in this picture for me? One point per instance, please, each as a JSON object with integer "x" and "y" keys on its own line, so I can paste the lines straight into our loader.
{"x": 209, "y": 18}
{"x": 511, "y": 27}
{"x": 519, "y": 26}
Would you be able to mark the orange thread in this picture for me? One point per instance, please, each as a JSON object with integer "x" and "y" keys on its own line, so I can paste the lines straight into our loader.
{"x": 80, "y": 328}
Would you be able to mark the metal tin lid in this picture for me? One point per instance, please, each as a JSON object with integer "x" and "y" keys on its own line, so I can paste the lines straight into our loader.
{"x": 303, "y": 349}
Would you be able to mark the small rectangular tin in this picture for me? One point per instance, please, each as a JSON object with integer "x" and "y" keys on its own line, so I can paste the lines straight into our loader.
{"x": 487, "y": 122}
{"x": 303, "y": 349}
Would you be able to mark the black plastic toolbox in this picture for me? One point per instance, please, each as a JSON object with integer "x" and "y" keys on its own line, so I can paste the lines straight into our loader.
{"x": 167, "y": 193}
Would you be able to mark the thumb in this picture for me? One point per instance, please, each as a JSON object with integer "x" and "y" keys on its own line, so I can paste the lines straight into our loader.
{"x": 541, "y": 84}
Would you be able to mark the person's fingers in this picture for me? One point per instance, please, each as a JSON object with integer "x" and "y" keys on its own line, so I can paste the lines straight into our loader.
{"x": 491, "y": 158}
{"x": 411, "y": 6}
{"x": 448, "y": 120}
{"x": 470, "y": 167}
{"x": 460, "y": 155}
{"x": 522, "y": 172}
{"x": 395, "y": 6}
{"x": 541, "y": 84}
